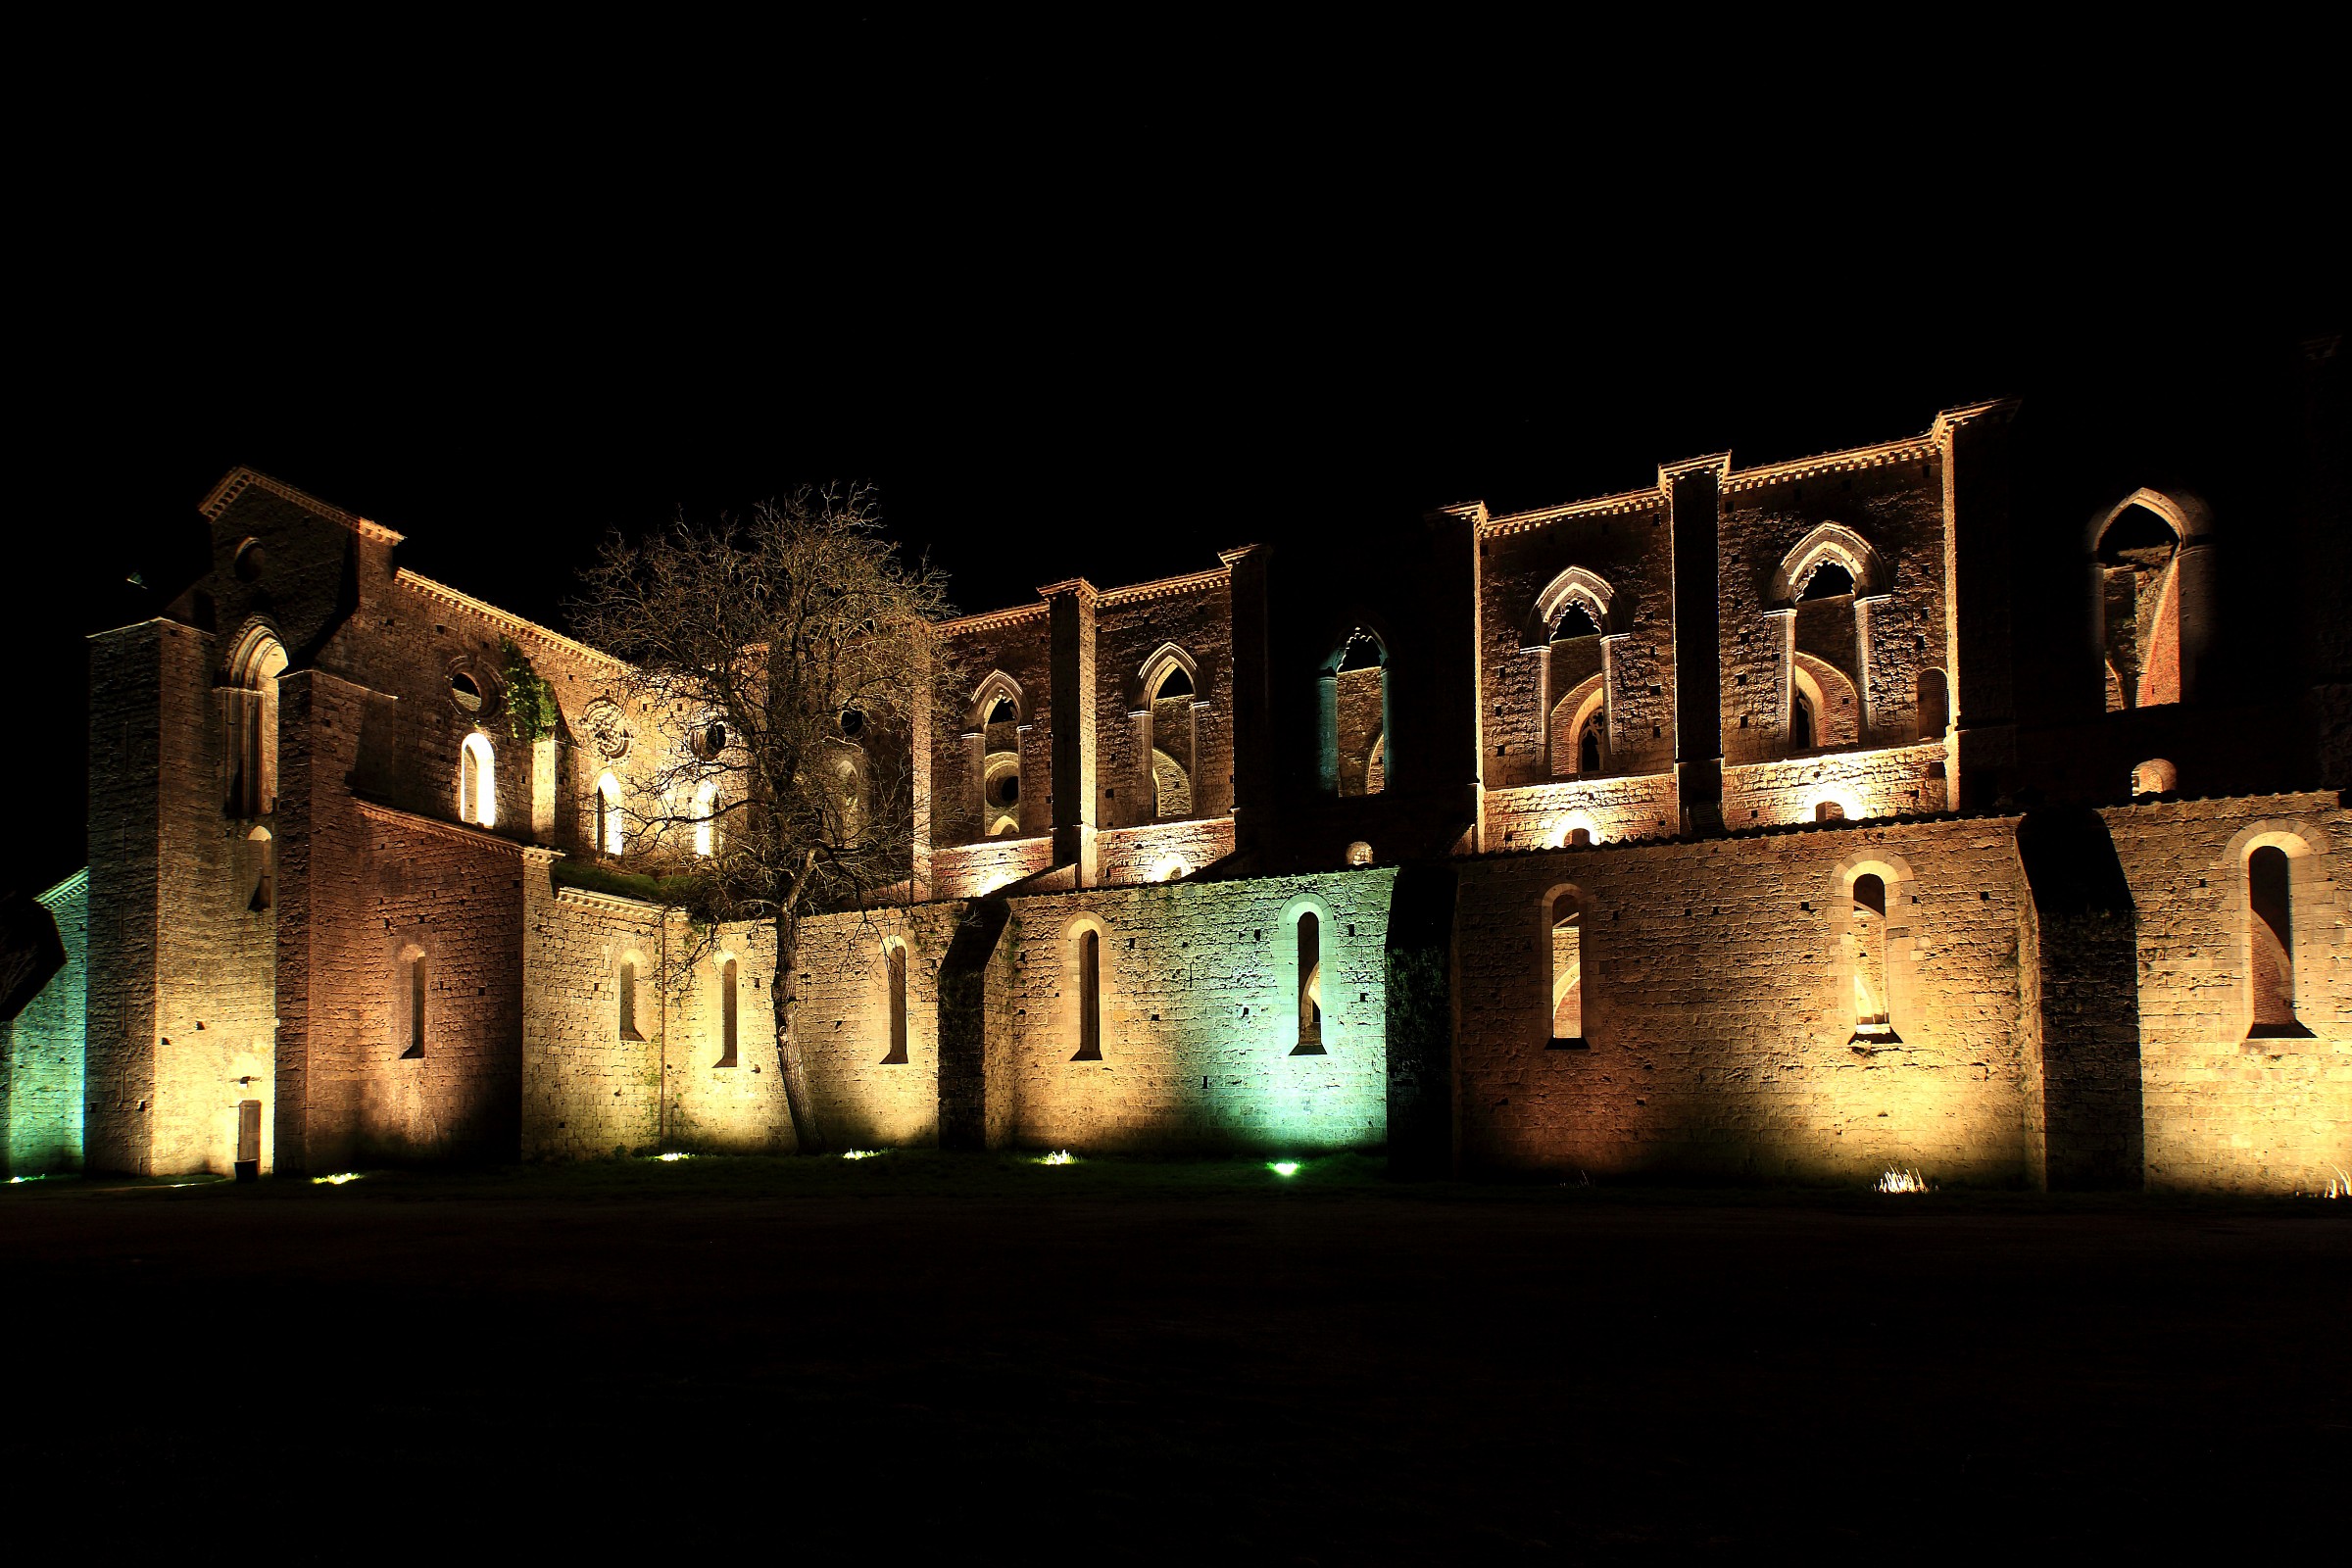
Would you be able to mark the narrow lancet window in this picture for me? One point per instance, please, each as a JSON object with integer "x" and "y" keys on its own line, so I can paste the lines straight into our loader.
{"x": 726, "y": 1013}
{"x": 1090, "y": 997}
{"x": 706, "y": 820}
{"x": 265, "y": 889}
{"x": 2269, "y": 895}
{"x": 628, "y": 1001}
{"x": 608, "y": 814}
{"x": 416, "y": 978}
{"x": 897, "y": 964}
{"x": 477, "y": 783}
{"x": 1867, "y": 933}
{"x": 1310, "y": 986}
{"x": 1567, "y": 974}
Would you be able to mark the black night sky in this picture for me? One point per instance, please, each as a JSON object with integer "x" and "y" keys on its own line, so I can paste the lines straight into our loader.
{"x": 1105, "y": 355}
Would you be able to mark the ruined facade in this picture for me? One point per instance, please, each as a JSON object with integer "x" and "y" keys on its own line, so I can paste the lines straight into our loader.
{"x": 1937, "y": 805}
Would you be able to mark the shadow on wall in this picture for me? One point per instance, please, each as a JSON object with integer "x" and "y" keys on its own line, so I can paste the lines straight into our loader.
{"x": 2088, "y": 940}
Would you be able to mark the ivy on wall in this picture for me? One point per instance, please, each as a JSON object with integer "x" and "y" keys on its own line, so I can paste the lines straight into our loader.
{"x": 531, "y": 711}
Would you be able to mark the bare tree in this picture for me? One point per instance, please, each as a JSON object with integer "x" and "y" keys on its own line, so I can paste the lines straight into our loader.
{"x": 786, "y": 660}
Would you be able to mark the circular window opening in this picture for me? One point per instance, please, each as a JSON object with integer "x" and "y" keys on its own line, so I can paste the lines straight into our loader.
{"x": 852, "y": 722}
{"x": 465, "y": 691}
{"x": 1359, "y": 853}
{"x": 603, "y": 721}
{"x": 252, "y": 559}
{"x": 1008, "y": 788}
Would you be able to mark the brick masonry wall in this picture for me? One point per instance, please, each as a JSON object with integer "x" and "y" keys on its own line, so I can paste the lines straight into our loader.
{"x": 1721, "y": 1016}
{"x": 1615, "y": 809}
{"x": 1144, "y": 854}
{"x": 41, "y": 1051}
{"x": 2224, "y": 1111}
{"x": 1200, "y": 1018}
{"x": 1866, "y": 784}
{"x": 972, "y": 869}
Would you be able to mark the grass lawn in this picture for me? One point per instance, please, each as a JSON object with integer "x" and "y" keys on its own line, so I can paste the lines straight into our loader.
{"x": 991, "y": 1358}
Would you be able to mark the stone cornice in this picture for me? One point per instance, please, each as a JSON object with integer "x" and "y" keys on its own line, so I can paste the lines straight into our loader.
{"x": 64, "y": 890}
{"x": 503, "y": 619}
{"x": 1129, "y": 594}
{"x": 238, "y": 480}
{"x": 988, "y": 620}
{"x": 1630, "y": 501}
{"x": 608, "y": 901}
{"x": 1912, "y": 449}
{"x": 1167, "y": 587}
{"x": 1718, "y": 463}
{"x": 394, "y": 816}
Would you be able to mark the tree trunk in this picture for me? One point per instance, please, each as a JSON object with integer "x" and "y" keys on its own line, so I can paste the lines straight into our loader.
{"x": 807, "y": 1137}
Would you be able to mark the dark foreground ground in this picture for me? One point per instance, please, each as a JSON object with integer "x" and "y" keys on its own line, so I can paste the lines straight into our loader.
{"x": 984, "y": 1359}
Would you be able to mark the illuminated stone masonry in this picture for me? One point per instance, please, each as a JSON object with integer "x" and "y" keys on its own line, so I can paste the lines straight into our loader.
{"x": 1754, "y": 824}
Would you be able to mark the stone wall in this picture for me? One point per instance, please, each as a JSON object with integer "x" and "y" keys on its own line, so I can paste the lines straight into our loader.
{"x": 453, "y": 896}
{"x": 181, "y": 1030}
{"x": 1719, "y": 1007}
{"x": 2224, "y": 1110}
{"x": 589, "y": 1090}
{"x": 1200, "y": 1021}
{"x": 864, "y": 1098}
{"x": 41, "y": 1051}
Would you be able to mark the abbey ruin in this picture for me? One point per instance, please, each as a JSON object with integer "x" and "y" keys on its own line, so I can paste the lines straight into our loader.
{"x": 1779, "y": 824}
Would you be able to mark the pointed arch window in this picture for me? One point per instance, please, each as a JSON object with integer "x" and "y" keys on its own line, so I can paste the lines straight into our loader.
{"x": 1354, "y": 700}
{"x": 993, "y": 725}
{"x": 1173, "y": 740}
{"x": 253, "y": 724}
{"x": 477, "y": 782}
{"x": 2138, "y": 554}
